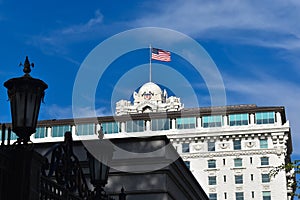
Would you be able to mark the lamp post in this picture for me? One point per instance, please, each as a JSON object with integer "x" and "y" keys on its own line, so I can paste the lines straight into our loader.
{"x": 99, "y": 157}
{"x": 22, "y": 173}
{"x": 25, "y": 95}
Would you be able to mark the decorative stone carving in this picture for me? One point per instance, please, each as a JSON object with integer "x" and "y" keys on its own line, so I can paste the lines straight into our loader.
{"x": 197, "y": 147}
{"x": 239, "y": 188}
{"x": 227, "y": 153}
{"x": 149, "y": 98}
{"x": 224, "y": 145}
{"x": 250, "y": 144}
{"x": 279, "y": 150}
{"x": 266, "y": 187}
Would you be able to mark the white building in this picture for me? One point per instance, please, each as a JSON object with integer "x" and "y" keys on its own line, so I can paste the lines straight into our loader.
{"x": 230, "y": 150}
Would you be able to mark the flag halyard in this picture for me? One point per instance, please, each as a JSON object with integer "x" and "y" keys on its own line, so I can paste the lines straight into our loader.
{"x": 161, "y": 55}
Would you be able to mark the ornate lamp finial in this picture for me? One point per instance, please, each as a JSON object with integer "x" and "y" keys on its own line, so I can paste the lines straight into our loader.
{"x": 27, "y": 66}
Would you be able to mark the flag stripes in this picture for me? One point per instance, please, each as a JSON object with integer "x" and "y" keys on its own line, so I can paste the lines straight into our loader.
{"x": 161, "y": 55}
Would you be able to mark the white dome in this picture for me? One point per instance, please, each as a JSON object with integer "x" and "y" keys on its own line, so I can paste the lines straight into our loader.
{"x": 150, "y": 88}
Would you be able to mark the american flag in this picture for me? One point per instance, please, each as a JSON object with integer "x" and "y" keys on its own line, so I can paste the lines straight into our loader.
{"x": 161, "y": 55}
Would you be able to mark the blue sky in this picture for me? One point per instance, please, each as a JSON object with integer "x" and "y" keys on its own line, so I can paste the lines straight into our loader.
{"x": 254, "y": 44}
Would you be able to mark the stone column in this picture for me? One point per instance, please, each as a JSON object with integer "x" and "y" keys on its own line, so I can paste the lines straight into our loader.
{"x": 252, "y": 120}
{"x": 148, "y": 125}
{"x": 173, "y": 124}
{"x": 199, "y": 122}
{"x": 225, "y": 120}
{"x": 278, "y": 118}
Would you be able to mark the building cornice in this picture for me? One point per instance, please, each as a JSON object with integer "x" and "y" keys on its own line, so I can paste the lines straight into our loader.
{"x": 261, "y": 152}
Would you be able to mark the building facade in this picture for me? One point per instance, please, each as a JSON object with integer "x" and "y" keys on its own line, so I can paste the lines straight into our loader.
{"x": 230, "y": 150}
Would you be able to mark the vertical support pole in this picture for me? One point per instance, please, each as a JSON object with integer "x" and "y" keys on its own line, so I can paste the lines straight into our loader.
{"x": 8, "y": 135}
{"x": 150, "y": 60}
{"x": 3, "y": 134}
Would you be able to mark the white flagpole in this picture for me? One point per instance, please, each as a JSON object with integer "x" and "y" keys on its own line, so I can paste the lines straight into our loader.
{"x": 150, "y": 67}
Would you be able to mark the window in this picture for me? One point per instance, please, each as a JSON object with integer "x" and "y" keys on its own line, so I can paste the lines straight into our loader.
{"x": 41, "y": 132}
{"x": 59, "y": 131}
{"x": 225, "y": 179}
{"x": 263, "y": 143}
{"x": 252, "y": 194}
{"x": 1, "y": 134}
{"x": 266, "y": 195}
{"x": 212, "y": 121}
{"x": 224, "y": 161}
{"x": 238, "y": 179}
{"x": 185, "y": 147}
{"x": 13, "y": 136}
{"x": 251, "y": 160}
{"x": 110, "y": 127}
{"x": 186, "y": 122}
{"x": 238, "y": 119}
{"x": 265, "y": 117}
{"x": 237, "y": 144}
{"x": 264, "y": 161}
{"x": 160, "y": 124}
{"x": 238, "y": 162}
{"x": 135, "y": 126}
{"x": 211, "y": 146}
{"x": 212, "y": 196}
{"x": 212, "y": 180}
{"x": 85, "y": 129}
{"x": 211, "y": 163}
{"x": 225, "y": 195}
{"x": 265, "y": 178}
{"x": 187, "y": 164}
{"x": 239, "y": 196}
{"x": 251, "y": 177}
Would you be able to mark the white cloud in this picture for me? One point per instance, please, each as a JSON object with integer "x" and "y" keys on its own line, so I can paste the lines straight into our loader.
{"x": 266, "y": 23}
{"x": 83, "y": 28}
{"x": 55, "y": 111}
{"x": 56, "y": 41}
{"x": 220, "y": 19}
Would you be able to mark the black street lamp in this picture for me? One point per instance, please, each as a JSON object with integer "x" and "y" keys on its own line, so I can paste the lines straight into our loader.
{"x": 21, "y": 174}
{"x": 25, "y": 95}
{"x": 99, "y": 157}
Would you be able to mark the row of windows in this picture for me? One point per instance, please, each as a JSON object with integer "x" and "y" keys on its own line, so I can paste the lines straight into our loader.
{"x": 112, "y": 127}
{"x": 191, "y": 122}
{"x": 211, "y": 146}
{"x": 59, "y": 131}
{"x": 238, "y": 162}
{"x": 156, "y": 124}
{"x": 238, "y": 119}
{"x": 240, "y": 195}
{"x": 238, "y": 179}
{"x": 160, "y": 124}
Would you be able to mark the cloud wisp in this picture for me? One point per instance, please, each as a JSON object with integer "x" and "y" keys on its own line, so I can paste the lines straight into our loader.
{"x": 55, "y": 111}
{"x": 263, "y": 23}
{"x": 56, "y": 42}
{"x": 227, "y": 19}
